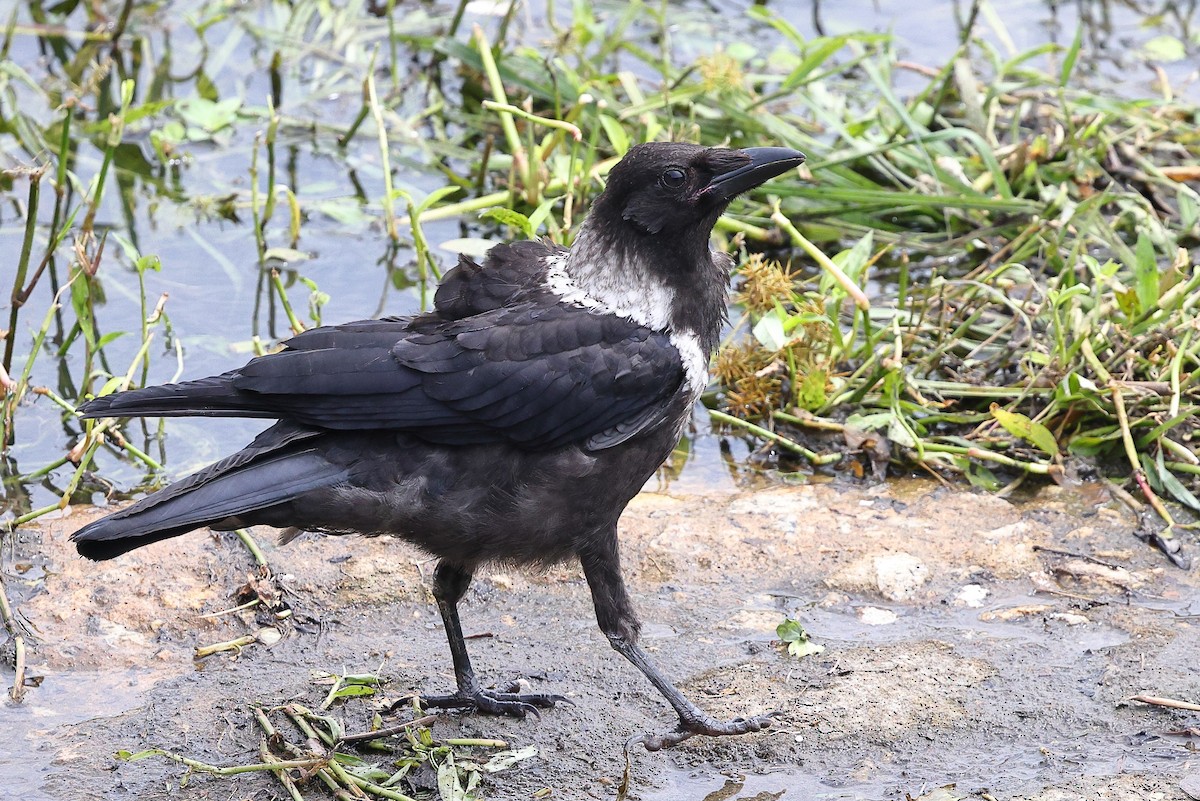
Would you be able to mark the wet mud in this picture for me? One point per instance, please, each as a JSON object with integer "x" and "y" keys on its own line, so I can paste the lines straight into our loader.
{"x": 974, "y": 648}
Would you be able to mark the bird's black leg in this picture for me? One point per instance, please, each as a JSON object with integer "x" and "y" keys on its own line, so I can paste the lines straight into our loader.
{"x": 614, "y": 613}
{"x": 449, "y": 585}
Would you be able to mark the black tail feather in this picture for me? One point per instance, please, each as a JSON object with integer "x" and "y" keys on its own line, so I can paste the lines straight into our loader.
{"x": 263, "y": 475}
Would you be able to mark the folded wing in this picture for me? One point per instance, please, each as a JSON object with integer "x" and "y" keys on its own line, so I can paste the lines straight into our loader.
{"x": 534, "y": 375}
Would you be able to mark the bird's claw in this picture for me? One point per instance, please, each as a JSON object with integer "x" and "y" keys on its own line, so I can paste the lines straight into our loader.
{"x": 707, "y": 726}
{"x": 494, "y": 702}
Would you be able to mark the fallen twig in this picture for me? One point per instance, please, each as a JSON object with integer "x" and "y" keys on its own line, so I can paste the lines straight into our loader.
{"x": 388, "y": 731}
{"x": 1154, "y": 700}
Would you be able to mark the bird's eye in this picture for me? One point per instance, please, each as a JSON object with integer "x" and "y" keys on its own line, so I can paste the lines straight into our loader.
{"x": 673, "y": 178}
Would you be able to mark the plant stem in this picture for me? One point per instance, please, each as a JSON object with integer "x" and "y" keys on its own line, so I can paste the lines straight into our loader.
{"x": 10, "y": 623}
{"x": 812, "y": 456}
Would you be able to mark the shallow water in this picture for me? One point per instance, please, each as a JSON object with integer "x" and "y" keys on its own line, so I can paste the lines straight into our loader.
{"x": 1000, "y": 763}
{"x": 64, "y": 698}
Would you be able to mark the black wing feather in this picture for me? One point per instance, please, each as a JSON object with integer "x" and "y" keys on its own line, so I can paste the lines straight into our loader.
{"x": 530, "y": 374}
{"x": 469, "y": 289}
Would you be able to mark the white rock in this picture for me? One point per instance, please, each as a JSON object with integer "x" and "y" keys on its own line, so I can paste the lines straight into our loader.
{"x": 874, "y": 616}
{"x": 971, "y": 595}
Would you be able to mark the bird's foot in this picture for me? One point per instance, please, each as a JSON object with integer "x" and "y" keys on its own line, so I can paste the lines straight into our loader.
{"x": 496, "y": 702}
{"x": 710, "y": 727}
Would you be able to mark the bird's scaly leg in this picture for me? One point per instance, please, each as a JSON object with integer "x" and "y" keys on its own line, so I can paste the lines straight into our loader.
{"x": 614, "y": 613}
{"x": 450, "y": 584}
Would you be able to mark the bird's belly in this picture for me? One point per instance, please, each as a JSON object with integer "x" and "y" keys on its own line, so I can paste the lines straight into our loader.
{"x": 479, "y": 504}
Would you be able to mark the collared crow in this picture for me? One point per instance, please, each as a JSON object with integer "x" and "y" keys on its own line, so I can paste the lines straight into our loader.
{"x": 513, "y": 423}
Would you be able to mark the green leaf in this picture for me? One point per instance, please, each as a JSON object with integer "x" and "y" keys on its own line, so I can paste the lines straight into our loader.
{"x": 806, "y": 648}
{"x": 173, "y": 132}
{"x": 1068, "y": 65}
{"x": 1058, "y": 298}
{"x": 504, "y": 760}
{"x": 148, "y": 263}
{"x": 797, "y": 639}
{"x": 434, "y": 196}
{"x": 1165, "y": 48}
{"x": 136, "y": 114}
{"x": 853, "y": 261}
{"x": 1146, "y": 274}
{"x": 508, "y": 217}
{"x": 129, "y": 250}
{"x": 541, "y": 213}
{"x": 977, "y": 474}
{"x": 348, "y": 759}
{"x": 1189, "y": 210}
{"x": 899, "y": 433}
{"x": 615, "y": 133}
{"x": 1075, "y": 386}
{"x": 1151, "y": 471}
{"x": 354, "y": 691}
{"x": 811, "y": 395}
{"x": 741, "y": 51}
{"x": 869, "y": 422}
{"x": 286, "y": 255}
{"x": 348, "y": 211}
{"x": 779, "y": 328}
{"x": 206, "y": 88}
{"x": 129, "y": 756}
{"x": 790, "y": 630}
{"x": 1020, "y": 425}
{"x": 110, "y": 386}
{"x": 207, "y": 115}
{"x": 109, "y": 337}
{"x": 1127, "y": 302}
{"x": 361, "y": 678}
{"x": 1172, "y": 485}
{"x": 769, "y": 332}
{"x": 449, "y": 786}
{"x": 817, "y": 54}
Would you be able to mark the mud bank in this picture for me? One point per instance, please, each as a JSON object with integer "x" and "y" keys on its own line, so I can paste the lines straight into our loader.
{"x": 969, "y": 642}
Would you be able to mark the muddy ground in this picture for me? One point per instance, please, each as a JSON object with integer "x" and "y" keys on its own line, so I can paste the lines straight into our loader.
{"x": 969, "y": 642}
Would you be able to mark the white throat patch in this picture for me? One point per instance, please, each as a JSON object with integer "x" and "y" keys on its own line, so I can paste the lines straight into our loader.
{"x": 646, "y": 302}
{"x": 596, "y": 281}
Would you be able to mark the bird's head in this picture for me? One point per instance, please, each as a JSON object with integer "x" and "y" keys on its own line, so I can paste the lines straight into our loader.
{"x": 644, "y": 252}
{"x": 679, "y": 189}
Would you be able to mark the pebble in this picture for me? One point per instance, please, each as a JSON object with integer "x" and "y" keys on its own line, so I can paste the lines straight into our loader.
{"x": 268, "y": 635}
{"x": 1018, "y": 529}
{"x": 874, "y": 616}
{"x": 971, "y": 596}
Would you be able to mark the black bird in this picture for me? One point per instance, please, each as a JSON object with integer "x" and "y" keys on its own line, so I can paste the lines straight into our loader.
{"x": 513, "y": 423}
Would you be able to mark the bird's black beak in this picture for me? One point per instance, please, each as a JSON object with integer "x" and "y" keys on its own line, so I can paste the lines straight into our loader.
{"x": 765, "y": 164}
